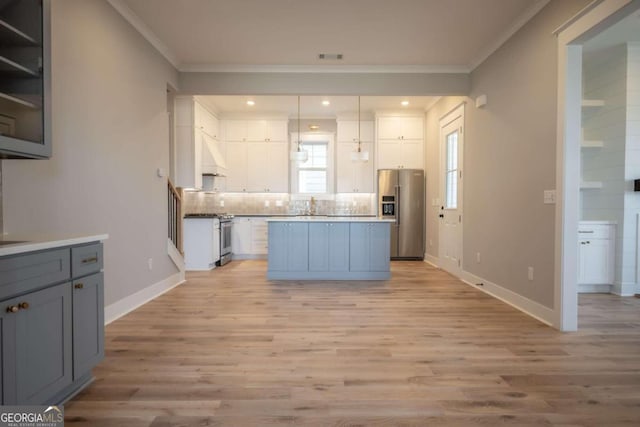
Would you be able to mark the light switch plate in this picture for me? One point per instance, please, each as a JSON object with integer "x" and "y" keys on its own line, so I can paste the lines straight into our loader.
{"x": 549, "y": 197}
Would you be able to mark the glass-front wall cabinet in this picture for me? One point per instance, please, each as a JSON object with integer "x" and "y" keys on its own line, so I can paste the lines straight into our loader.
{"x": 24, "y": 79}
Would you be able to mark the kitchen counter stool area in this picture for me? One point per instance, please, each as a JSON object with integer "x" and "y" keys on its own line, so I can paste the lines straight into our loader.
{"x": 329, "y": 249}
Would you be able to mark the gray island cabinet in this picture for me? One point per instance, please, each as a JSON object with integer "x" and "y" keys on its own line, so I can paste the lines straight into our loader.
{"x": 329, "y": 248}
{"x": 51, "y": 318}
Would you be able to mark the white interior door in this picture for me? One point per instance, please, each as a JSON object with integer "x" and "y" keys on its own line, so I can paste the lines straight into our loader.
{"x": 450, "y": 215}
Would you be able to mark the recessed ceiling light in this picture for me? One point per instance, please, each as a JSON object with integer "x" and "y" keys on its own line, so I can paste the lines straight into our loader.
{"x": 251, "y": 103}
{"x": 404, "y": 103}
{"x": 325, "y": 102}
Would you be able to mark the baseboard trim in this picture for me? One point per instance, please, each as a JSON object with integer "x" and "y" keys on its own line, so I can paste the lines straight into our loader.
{"x": 430, "y": 259}
{"x": 627, "y": 289}
{"x": 128, "y": 304}
{"x": 175, "y": 255}
{"x": 527, "y": 306}
{"x": 594, "y": 289}
{"x": 241, "y": 257}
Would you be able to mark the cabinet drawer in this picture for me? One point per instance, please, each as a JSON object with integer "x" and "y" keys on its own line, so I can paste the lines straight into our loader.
{"x": 23, "y": 273}
{"x": 86, "y": 259}
{"x": 595, "y": 231}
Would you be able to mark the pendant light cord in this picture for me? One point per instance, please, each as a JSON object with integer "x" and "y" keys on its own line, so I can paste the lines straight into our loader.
{"x": 298, "y": 123}
{"x": 359, "y": 140}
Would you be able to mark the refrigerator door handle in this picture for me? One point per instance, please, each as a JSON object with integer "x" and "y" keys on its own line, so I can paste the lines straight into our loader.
{"x": 397, "y": 205}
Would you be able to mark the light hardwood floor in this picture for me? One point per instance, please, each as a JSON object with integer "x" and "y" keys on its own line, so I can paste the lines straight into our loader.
{"x": 228, "y": 348}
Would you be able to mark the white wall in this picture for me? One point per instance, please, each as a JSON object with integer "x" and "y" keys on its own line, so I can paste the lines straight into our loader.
{"x": 110, "y": 133}
{"x": 604, "y": 77}
{"x": 509, "y": 160}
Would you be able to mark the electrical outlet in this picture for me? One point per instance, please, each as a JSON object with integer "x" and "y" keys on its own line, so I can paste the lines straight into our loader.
{"x": 279, "y": 203}
{"x": 530, "y": 273}
{"x": 478, "y": 257}
{"x": 430, "y": 242}
{"x": 267, "y": 203}
{"x": 150, "y": 263}
{"x": 222, "y": 203}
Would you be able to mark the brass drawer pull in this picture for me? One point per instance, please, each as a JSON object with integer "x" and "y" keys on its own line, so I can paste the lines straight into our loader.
{"x": 79, "y": 285}
{"x": 23, "y": 305}
{"x": 13, "y": 309}
{"x": 88, "y": 260}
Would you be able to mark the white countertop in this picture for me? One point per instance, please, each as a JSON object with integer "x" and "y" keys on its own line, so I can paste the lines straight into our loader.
{"x": 37, "y": 242}
{"x": 320, "y": 218}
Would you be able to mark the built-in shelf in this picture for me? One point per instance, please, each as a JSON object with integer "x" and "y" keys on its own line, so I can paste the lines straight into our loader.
{"x": 590, "y": 185}
{"x": 14, "y": 36}
{"x": 592, "y": 143}
{"x": 22, "y": 100}
{"x": 9, "y": 67}
{"x": 592, "y": 103}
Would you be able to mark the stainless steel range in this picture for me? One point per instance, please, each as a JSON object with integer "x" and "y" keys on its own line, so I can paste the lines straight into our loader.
{"x": 226, "y": 224}
{"x": 223, "y": 234}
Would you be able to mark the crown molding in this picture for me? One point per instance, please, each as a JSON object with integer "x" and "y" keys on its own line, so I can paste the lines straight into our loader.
{"x": 146, "y": 32}
{"x": 520, "y": 21}
{"x": 394, "y": 69}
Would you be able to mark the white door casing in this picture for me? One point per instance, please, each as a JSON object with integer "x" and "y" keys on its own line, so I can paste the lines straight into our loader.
{"x": 451, "y": 178}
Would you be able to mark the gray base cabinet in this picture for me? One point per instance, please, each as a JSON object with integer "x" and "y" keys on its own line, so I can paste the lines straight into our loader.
{"x": 51, "y": 325}
{"x": 88, "y": 323}
{"x": 36, "y": 344}
{"x": 367, "y": 251}
{"x": 332, "y": 250}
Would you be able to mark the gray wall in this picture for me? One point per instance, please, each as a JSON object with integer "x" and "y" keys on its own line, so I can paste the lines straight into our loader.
{"x": 201, "y": 83}
{"x": 510, "y": 159}
{"x": 110, "y": 134}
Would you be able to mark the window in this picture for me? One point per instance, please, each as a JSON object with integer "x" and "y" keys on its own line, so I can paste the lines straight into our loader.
{"x": 451, "y": 185}
{"x": 315, "y": 176}
{"x": 312, "y": 174}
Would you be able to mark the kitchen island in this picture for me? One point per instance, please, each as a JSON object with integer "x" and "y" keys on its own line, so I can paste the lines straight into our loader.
{"x": 328, "y": 248}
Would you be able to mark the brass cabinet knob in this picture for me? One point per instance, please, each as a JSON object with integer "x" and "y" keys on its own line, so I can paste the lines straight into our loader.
{"x": 13, "y": 309}
{"x": 24, "y": 305}
{"x": 79, "y": 285}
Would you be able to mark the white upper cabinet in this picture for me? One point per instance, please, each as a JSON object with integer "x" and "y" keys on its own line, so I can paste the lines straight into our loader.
{"x": 236, "y": 167}
{"x": 399, "y": 127}
{"x": 257, "y": 156}
{"x": 256, "y": 130}
{"x": 267, "y": 167}
{"x": 348, "y": 131}
{"x": 354, "y": 177}
{"x": 206, "y": 122}
{"x": 400, "y": 142}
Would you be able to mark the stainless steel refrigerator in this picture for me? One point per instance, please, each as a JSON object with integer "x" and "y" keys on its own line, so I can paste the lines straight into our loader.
{"x": 401, "y": 197}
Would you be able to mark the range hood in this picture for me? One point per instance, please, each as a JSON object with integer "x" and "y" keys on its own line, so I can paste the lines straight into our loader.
{"x": 213, "y": 162}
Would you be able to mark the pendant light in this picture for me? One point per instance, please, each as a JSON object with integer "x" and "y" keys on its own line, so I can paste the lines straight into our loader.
{"x": 359, "y": 155}
{"x": 299, "y": 155}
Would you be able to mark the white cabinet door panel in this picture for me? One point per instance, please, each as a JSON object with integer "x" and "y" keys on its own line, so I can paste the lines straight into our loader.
{"x": 236, "y": 166}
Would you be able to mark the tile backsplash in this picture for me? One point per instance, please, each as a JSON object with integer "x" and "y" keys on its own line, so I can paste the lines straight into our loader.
{"x": 278, "y": 203}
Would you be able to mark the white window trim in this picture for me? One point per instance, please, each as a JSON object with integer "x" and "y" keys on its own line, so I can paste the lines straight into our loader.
{"x": 328, "y": 137}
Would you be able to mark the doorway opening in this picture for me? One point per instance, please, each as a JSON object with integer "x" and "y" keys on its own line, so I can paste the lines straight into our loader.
{"x": 597, "y": 213}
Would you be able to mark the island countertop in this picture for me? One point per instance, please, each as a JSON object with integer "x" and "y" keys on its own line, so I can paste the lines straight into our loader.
{"x": 321, "y": 218}
{"x": 11, "y": 244}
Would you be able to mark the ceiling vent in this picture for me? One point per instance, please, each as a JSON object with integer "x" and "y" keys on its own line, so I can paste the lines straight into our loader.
{"x": 330, "y": 56}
